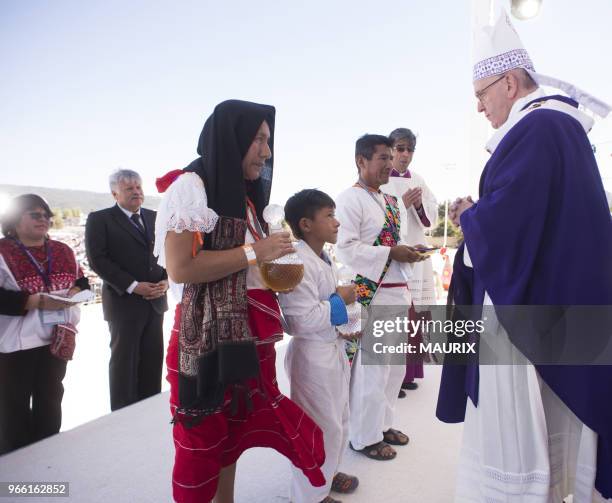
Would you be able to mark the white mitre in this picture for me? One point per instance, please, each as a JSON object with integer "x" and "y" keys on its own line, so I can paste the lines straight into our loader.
{"x": 498, "y": 49}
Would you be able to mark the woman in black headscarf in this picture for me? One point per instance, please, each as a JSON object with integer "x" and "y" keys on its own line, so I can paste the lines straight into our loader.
{"x": 221, "y": 357}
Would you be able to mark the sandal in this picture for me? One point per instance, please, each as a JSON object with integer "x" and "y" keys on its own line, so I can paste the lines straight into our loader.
{"x": 329, "y": 499}
{"x": 376, "y": 451}
{"x": 395, "y": 437}
{"x": 344, "y": 484}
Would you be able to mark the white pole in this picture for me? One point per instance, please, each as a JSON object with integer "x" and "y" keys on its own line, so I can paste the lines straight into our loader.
{"x": 449, "y": 169}
{"x": 445, "y": 221}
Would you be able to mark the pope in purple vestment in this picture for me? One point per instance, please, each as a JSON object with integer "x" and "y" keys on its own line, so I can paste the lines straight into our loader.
{"x": 541, "y": 235}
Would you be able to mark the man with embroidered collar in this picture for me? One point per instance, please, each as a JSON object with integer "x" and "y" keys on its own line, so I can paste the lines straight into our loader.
{"x": 539, "y": 235}
{"x": 368, "y": 244}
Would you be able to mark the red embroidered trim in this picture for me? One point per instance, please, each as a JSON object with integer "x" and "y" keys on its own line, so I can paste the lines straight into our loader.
{"x": 64, "y": 267}
{"x": 253, "y": 211}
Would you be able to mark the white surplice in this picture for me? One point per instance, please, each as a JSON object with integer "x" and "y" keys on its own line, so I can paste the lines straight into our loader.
{"x": 374, "y": 388}
{"x": 412, "y": 230}
{"x": 317, "y": 366}
{"x": 522, "y": 444}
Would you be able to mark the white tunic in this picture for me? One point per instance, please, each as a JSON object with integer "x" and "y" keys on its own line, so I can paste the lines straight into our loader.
{"x": 374, "y": 388}
{"x": 317, "y": 366}
{"x": 361, "y": 220}
{"x": 522, "y": 444}
{"x": 421, "y": 284}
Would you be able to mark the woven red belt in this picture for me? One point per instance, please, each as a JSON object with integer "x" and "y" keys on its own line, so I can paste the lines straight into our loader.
{"x": 393, "y": 285}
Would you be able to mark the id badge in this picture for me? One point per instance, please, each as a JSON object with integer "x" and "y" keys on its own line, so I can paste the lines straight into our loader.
{"x": 53, "y": 317}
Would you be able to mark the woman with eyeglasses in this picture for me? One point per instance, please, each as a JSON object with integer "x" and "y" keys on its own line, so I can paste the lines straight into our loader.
{"x": 36, "y": 330}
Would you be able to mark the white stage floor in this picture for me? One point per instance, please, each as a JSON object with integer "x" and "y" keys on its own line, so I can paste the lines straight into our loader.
{"x": 127, "y": 456}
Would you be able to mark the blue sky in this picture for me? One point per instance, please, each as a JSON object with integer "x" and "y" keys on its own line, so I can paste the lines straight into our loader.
{"x": 90, "y": 86}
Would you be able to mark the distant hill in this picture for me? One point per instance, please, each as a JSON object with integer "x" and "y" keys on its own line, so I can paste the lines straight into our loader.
{"x": 66, "y": 198}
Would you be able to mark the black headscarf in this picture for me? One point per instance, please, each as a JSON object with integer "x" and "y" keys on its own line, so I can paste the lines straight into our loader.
{"x": 224, "y": 141}
{"x": 226, "y": 138}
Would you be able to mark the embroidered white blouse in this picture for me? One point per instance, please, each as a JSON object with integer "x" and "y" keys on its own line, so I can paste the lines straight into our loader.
{"x": 184, "y": 207}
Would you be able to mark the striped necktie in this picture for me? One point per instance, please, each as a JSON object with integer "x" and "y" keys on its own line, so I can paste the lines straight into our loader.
{"x": 136, "y": 219}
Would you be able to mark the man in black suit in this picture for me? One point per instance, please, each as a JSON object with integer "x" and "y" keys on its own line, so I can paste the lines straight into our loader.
{"x": 119, "y": 243}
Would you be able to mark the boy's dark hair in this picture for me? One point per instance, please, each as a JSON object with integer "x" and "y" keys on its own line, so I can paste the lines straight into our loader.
{"x": 305, "y": 204}
{"x": 16, "y": 209}
{"x": 366, "y": 145}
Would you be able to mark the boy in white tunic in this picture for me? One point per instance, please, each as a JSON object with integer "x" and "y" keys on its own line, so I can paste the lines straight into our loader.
{"x": 369, "y": 244}
{"x": 316, "y": 362}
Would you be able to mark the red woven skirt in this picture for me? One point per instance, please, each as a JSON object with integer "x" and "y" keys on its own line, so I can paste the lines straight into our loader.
{"x": 219, "y": 440}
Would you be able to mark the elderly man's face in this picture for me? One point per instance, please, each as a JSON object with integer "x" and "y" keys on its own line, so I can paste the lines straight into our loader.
{"x": 128, "y": 193}
{"x": 495, "y": 98}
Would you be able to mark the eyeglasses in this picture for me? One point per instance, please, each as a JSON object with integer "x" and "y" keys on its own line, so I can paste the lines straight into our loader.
{"x": 480, "y": 94}
{"x": 38, "y": 216}
{"x": 402, "y": 149}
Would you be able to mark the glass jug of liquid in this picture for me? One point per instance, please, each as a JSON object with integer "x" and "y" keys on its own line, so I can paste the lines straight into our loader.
{"x": 286, "y": 272}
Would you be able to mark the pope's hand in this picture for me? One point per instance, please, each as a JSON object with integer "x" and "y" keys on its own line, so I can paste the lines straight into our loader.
{"x": 457, "y": 208}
